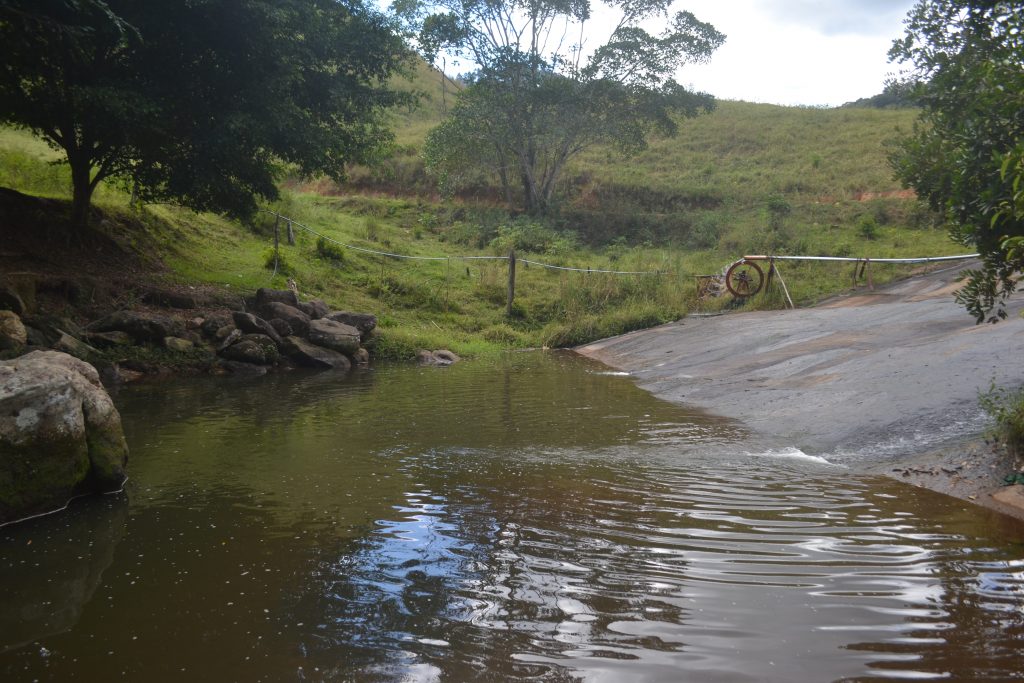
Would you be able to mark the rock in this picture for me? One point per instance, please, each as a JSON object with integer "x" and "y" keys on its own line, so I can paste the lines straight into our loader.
{"x": 178, "y": 345}
{"x": 314, "y": 308}
{"x": 441, "y": 357}
{"x": 361, "y": 357}
{"x": 446, "y": 357}
{"x": 224, "y": 332}
{"x": 282, "y": 328}
{"x": 250, "y": 324}
{"x": 296, "y": 319}
{"x": 12, "y": 331}
{"x": 107, "y": 340}
{"x": 334, "y": 335}
{"x": 214, "y": 322}
{"x": 51, "y": 327}
{"x": 36, "y": 338}
{"x": 364, "y": 322}
{"x": 141, "y": 326}
{"x": 60, "y": 434}
{"x": 265, "y": 296}
{"x": 78, "y": 349}
{"x": 258, "y": 349}
{"x": 10, "y": 301}
{"x": 114, "y": 374}
{"x": 311, "y": 355}
{"x": 233, "y": 336}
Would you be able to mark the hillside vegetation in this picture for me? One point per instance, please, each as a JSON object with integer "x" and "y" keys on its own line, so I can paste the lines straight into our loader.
{"x": 749, "y": 178}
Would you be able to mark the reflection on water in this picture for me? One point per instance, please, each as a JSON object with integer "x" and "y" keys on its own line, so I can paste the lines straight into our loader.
{"x": 534, "y": 518}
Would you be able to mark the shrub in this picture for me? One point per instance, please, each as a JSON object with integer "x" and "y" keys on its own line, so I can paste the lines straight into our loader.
{"x": 283, "y": 267}
{"x": 329, "y": 251}
{"x": 1007, "y": 408}
{"x": 867, "y": 228}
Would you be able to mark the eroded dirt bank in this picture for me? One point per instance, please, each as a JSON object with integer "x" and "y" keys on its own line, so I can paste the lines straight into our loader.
{"x": 884, "y": 381}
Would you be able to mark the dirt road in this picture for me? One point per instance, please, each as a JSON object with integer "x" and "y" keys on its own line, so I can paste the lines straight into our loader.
{"x": 868, "y": 379}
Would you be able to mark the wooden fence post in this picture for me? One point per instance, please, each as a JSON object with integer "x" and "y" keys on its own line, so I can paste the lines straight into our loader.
{"x": 277, "y": 241}
{"x": 511, "y": 281}
{"x": 291, "y": 234}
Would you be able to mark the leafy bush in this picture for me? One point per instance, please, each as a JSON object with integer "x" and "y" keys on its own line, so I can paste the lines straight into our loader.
{"x": 269, "y": 259}
{"x": 329, "y": 251}
{"x": 1007, "y": 408}
{"x": 867, "y": 228}
{"x": 524, "y": 234}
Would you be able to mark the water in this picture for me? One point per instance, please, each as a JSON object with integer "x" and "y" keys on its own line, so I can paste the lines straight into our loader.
{"x": 536, "y": 518}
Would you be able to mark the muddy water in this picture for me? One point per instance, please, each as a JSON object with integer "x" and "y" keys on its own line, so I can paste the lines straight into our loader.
{"x": 530, "y": 518}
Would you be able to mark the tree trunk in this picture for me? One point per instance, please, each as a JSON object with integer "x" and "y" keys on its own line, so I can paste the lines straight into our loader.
{"x": 82, "y": 188}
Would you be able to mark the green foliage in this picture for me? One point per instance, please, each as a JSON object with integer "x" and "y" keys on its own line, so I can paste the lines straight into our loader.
{"x": 525, "y": 234}
{"x": 1007, "y": 409}
{"x": 867, "y": 227}
{"x": 330, "y": 251}
{"x": 275, "y": 259}
{"x": 527, "y": 111}
{"x": 963, "y": 156}
{"x": 269, "y": 81}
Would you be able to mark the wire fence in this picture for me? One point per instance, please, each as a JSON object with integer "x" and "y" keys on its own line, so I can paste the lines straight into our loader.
{"x": 732, "y": 278}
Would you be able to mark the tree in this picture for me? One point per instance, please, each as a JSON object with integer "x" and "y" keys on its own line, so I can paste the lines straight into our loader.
{"x": 963, "y": 157}
{"x": 199, "y": 102}
{"x": 540, "y": 95}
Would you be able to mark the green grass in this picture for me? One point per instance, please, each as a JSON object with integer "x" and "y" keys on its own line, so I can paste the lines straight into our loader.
{"x": 749, "y": 178}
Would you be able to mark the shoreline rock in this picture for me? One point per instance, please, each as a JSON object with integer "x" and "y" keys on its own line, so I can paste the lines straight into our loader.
{"x": 60, "y": 434}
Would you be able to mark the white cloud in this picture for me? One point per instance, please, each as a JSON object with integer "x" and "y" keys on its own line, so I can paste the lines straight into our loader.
{"x": 798, "y": 52}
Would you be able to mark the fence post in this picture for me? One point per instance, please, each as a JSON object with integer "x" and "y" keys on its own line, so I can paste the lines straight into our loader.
{"x": 511, "y": 281}
{"x": 277, "y": 241}
{"x": 291, "y": 234}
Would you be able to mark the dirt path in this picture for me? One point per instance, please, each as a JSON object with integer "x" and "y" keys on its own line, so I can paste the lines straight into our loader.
{"x": 884, "y": 381}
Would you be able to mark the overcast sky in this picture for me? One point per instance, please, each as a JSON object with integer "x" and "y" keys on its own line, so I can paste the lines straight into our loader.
{"x": 806, "y": 52}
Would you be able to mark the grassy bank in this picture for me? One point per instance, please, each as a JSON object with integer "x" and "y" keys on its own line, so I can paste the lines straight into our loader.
{"x": 749, "y": 178}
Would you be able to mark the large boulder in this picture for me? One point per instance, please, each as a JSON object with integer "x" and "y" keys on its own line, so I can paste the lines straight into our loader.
{"x": 250, "y": 324}
{"x": 258, "y": 349}
{"x": 313, "y": 356}
{"x": 265, "y": 296}
{"x": 334, "y": 335}
{"x": 296, "y": 319}
{"x": 60, "y": 434}
{"x": 148, "y": 327}
{"x": 314, "y": 308}
{"x": 12, "y": 331}
{"x": 46, "y": 330}
{"x": 364, "y": 322}
{"x": 214, "y": 322}
{"x": 70, "y": 345}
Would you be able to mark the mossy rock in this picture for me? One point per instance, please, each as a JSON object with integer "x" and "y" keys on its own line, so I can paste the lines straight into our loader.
{"x": 60, "y": 434}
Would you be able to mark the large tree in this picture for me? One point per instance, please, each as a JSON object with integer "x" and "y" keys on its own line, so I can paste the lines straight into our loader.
{"x": 198, "y": 101}
{"x": 966, "y": 61}
{"x": 541, "y": 93}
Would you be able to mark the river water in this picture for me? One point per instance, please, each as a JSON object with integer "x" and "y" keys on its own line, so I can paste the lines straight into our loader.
{"x": 531, "y": 518}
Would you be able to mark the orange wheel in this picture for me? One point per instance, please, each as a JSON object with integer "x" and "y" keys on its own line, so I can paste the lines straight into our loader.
{"x": 744, "y": 278}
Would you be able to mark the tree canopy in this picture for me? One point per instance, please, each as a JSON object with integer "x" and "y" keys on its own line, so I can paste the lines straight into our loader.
{"x": 541, "y": 93}
{"x": 964, "y": 156}
{"x": 198, "y": 102}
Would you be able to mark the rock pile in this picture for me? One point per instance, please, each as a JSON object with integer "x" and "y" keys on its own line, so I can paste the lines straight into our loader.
{"x": 274, "y": 328}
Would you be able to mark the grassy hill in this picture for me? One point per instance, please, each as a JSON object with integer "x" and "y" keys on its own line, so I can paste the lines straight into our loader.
{"x": 747, "y": 178}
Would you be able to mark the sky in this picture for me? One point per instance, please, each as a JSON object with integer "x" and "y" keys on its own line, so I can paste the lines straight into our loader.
{"x": 797, "y": 52}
